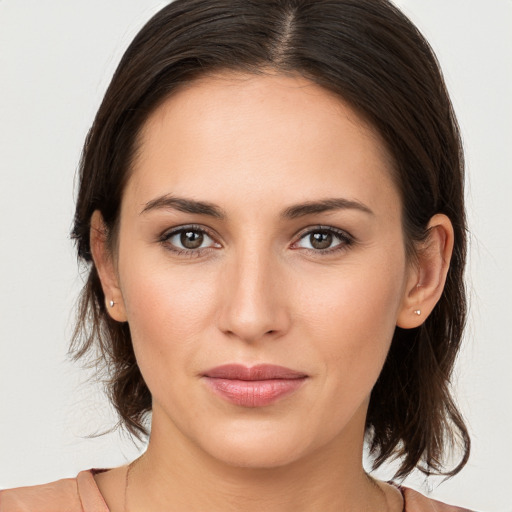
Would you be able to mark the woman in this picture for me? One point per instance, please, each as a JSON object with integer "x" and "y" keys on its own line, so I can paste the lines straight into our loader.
{"x": 271, "y": 205}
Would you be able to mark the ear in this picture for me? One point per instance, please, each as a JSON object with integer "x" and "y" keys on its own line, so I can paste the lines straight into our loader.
{"x": 427, "y": 275}
{"x": 105, "y": 266}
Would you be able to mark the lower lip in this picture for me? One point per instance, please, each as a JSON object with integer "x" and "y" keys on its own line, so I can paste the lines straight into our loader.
{"x": 254, "y": 393}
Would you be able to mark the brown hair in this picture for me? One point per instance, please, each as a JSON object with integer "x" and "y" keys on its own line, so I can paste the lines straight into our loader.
{"x": 374, "y": 58}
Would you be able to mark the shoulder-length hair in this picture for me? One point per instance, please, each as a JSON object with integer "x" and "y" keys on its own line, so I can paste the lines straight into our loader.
{"x": 370, "y": 55}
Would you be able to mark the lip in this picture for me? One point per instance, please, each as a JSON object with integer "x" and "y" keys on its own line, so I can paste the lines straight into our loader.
{"x": 255, "y": 386}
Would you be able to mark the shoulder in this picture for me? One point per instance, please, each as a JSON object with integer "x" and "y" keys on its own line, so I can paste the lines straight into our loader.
{"x": 417, "y": 502}
{"x": 54, "y": 496}
{"x": 78, "y": 494}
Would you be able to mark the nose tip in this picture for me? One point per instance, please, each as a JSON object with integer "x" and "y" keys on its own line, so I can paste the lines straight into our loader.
{"x": 252, "y": 319}
{"x": 253, "y": 306}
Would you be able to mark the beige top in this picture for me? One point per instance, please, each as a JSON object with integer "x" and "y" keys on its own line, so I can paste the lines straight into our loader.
{"x": 81, "y": 494}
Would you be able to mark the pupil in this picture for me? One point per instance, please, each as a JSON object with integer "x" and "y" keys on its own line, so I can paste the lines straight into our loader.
{"x": 321, "y": 240}
{"x": 191, "y": 239}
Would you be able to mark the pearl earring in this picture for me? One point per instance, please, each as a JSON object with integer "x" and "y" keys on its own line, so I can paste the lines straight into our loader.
{"x": 112, "y": 303}
{"x": 417, "y": 312}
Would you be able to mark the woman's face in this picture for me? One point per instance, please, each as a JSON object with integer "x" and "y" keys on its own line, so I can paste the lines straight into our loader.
{"x": 260, "y": 226}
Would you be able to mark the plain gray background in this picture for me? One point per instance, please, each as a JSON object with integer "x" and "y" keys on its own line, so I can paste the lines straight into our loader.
{"x": 56, "y": 59}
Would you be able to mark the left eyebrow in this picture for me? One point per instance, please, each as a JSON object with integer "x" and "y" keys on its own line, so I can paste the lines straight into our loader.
{"x": 325, "y": 205}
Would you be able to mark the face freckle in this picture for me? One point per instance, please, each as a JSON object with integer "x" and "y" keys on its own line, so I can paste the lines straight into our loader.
{"x": 261, "y": 167}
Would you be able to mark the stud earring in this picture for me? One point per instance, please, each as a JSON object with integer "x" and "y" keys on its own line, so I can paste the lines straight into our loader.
{"x": 417, "y": 312}
{"x": 112, "y": 303}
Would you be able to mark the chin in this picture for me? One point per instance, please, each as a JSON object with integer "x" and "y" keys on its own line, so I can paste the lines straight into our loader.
{"x": 255, "y": 449}
{"x": 255, "y": 457}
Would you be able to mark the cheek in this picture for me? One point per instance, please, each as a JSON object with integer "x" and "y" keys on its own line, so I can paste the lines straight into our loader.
{"x": 162, "y": 303}
{"x": 169, "y": 308}
{"x": 352, "y": 317}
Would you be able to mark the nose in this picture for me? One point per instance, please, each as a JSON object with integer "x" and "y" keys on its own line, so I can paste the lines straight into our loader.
{"x": 254, "y": 305}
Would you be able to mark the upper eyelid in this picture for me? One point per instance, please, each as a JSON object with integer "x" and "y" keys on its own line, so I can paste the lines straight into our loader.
{"x": 301, "y": 232}
{"x": 312, "y": 229}
{"x": 341, "y": 233}
{"x": 179, "y": 229}
{"x": 165, "y": 240}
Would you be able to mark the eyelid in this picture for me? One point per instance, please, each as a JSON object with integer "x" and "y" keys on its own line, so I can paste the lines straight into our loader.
{"x": 169, "y": 233}
{"x": 346, "y": 238}
{"x": 178, "y": 229}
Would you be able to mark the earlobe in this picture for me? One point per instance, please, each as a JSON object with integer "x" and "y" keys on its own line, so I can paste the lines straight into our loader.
{"x": 427, "y": 276}
{"x": 104, "y": 263}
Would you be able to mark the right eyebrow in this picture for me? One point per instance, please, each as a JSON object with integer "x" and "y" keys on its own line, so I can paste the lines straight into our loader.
{"x": 184, "y": 205}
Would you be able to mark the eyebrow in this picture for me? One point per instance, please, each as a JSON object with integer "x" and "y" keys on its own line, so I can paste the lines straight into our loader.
{"x": 325, "y": 205}
{"x": 292, "y": 212}
{"x": 184, "y": 205}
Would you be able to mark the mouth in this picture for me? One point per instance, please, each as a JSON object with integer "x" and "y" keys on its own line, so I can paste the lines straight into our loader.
{"x": 257, "y": 386}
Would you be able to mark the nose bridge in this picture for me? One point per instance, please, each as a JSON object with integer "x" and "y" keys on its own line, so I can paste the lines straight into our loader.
{"x": 253, "y": 304}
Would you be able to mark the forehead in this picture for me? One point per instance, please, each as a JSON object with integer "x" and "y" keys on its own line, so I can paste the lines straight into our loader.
{"x": 264, "y": 133}
{"x": 228, "y": 97}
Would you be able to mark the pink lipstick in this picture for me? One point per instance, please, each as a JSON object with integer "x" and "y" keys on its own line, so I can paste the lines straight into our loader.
{"x": 256, "y": 386}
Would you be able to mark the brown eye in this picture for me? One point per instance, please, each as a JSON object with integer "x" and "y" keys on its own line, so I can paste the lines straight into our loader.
{"x": 324, "y": 240}
{"x": 320, "y": 240}
{"x": 191, "y": 239}
{"x": 188, "y": 239}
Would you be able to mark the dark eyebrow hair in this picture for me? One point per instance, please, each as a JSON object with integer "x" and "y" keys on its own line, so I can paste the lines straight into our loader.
{"x": 184, "y": 205}
{"x": 325, "y": 205}
{"x": 292, "y": 212}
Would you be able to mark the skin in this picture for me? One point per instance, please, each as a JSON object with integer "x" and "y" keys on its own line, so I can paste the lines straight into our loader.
{"x": 259, "y": 291}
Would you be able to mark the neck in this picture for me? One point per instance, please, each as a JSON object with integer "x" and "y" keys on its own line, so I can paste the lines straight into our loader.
{"x": 176, "y": 474}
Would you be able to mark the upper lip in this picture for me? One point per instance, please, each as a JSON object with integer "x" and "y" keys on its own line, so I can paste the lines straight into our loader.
{"x": 258, "y": 372}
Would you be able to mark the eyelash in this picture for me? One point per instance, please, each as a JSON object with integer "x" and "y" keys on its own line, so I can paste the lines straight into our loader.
{"x": 164, "y": 239}
{"x": 345, "y": 240}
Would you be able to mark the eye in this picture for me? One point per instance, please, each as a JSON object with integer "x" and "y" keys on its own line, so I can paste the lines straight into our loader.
{"x": 324, "y": 240}
{"x": 188, "y": 239}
